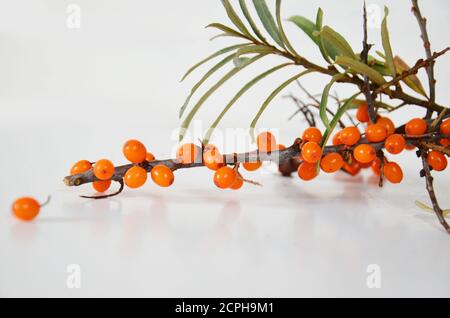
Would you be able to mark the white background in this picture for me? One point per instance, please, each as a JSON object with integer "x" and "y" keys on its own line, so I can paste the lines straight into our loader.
{"x": 70, "y": 94}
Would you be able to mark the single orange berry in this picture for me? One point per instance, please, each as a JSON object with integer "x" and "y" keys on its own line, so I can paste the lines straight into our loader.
{"x": 364, "y": 153}
{"x": 252, "y": 166}
{"x": 307, "y": 171}
{"x": 416, "y": 126}
{"x": 238, "y": 183}
{"x": 212, "y": 158}
{"x": 266, "y": 142}
{"x": 80, "y": 167}
{"x": 135, "y": 177}
{"x": 104, "y": 169}
{"x": 225, "y": 177}
{"x": 352, "y": 168}
{"x": 362, "y": 114}
{"x": 350, "y": 135}
{"x": 376, "y": 133}
{"x": 444, "y": 128}
{"x": 376, "y": 166}
{"x": 395, "y": 144}
{"x": 332, "y": 162}
{"x": 393, "y": 172}
{"x": 162, "y": 175}
{"x": 101, "y": 186}
{"x": 150, "y": 157}
{"x": 444, "y": 142}
{"x": 134, "y": 151}
{"x": 26, "y": 209}
{"x": 388, "y": 124}
{"x": 312, "y": 134}
{"x": 437, "y": 160}
{"x": 188, "y": 153}
{"x": 337, "y": 139}
{"x": 311, "y": 152}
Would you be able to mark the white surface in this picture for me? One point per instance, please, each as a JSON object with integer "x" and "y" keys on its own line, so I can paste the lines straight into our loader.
{"x": 72, "y": 94}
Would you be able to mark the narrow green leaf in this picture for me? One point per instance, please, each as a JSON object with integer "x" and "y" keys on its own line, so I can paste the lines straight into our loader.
{"x": 267, "y": 20}
{"x": 335, "y": 44}
{"x": 387, "y": 44}
{"x": 235, "y": 19}
{"x": 238, "y": 95}
{"x": 226, "y": 29}
{"x": 280, "y": 28}
{"x": 319, "y": 19}
{"x": 251, "y": 21}
{"x": 324, "y": 100}
{"x": 186, "y": 122}
{"x": 428, "y": 209}
{"x": 271, "y": 97}
{"x": 214, "y": 69}
{"x": 412, "y": 81}
{"x": 340, "y": 112}
{"x": 361, "y": 68}
{"x": 212, "y": 56}
{"x": 251, "y": 49}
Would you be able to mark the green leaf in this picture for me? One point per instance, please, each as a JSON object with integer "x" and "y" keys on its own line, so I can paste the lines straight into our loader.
{"x": 252, "y": 49}
{"x": 426, "y": 208}
{"x": 387, "y": 44}
{"x": 340, "y": 112}
{"x": 412, "y": 81}
{"x": 214, "y": 69}
{"x": 361, "y": 68}
{"x": 324, "y": 100}
{"x": 335, "y": 44}
{"x": 186, "y": 122}
{"x": 235, "y": 19}
{"x": 251, "y": 21}
{"x": 212, "y": 56}
{"x": 267, "y": 20}
{"x": 271, "y": 97}
{"x": 280, "y": 27}
{"x": 238, "y": 95}
{"x": 229, "y": 31}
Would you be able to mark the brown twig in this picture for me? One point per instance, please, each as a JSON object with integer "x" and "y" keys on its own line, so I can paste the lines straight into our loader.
{"x": 430, "y": 188}
{"x": 426, "y": 44}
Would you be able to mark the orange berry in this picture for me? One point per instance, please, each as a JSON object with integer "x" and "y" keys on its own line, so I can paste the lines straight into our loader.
{"x": 101, "y": 186}
{"x": 26, "y": 209}
{"x": 135, "y": 177}
{"x": 188, "y": 153}
{"x": 444, "y": 142}
{"x": 311, "y": 152}
{"x": 104, "y": 169}
{"x": 212, "y": 158}
{"x": 416, "y": 126}
{"x": 150, "y": 157}
{"x": 388, "y": 124}
{"x": 364, "y": 153}
{"x": 393, "y": 172}
{"x": 332, "y": 162}
{"x": 252, "y": 166}
{"x": 362, "y": 114}
{"x": 350, "y": 135}
{"x": 376, "y": 166}
{"x": 134, "y": 151}
{"x": 162, "y": 175}
{"x": 376, "y": 133}
{"x": 237, "y": 183}
{"x": 395, "y": 144}
{"x": 307, "y": 171}
{"x": 266, "y": 142}
{"x": 445, "y": 127}
{"x": 312, "y": 134}
{"x": 437, "y": 160}
{"x": 80, "y": 167}
{"x": 225, "y": 177}
{"x": 352, "y": 168}
{"x": 337, "y": 139}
